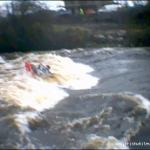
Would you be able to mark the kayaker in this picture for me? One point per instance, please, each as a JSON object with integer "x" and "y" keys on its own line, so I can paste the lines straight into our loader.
{"x": 39, "y": 70}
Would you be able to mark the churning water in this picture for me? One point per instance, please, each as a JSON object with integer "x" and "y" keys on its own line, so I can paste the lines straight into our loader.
{"x": 89, "y": 102}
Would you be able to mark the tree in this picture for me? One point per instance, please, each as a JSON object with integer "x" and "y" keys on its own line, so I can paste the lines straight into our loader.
{"x": 75, "y": 6}
{"x": 24, "y": 7}
{"x": 26, "y": 26}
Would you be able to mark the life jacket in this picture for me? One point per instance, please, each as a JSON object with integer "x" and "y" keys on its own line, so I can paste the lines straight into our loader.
{"x": 41, "y": 70}
{"x": 28, "y": 66}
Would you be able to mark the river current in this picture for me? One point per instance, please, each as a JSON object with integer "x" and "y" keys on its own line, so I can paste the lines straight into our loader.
{"x": 96, "y": 98}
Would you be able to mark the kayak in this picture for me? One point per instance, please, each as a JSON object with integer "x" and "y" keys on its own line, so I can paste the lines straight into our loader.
{"x": 38, "y": 70}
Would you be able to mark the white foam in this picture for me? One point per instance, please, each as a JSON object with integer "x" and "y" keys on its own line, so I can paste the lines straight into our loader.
{"x": 144, "y": 103}
{"x": 22, "y": 119}
{"x": 39, "y": 94}
{"x": 8, "y": 66}
{"x": 110, "y": 142}
{"x": 81, "y": 68}
{"x": 74, "y": 75}
{"x": 84, "y": 82}
{"x": 2, "y": 61}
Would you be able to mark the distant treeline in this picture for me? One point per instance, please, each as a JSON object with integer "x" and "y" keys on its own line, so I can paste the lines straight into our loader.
{"x": 138, "y": 29}
{"x": 29, "y": 25}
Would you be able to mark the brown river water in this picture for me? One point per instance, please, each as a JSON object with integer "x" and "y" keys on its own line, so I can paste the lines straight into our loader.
{"x": 96, "y": 98}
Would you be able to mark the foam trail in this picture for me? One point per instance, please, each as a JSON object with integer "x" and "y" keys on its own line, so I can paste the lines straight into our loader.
{"x": 43, "y": 93}
{"x": 35, "y": 94}
{"x": 140, "y": 100}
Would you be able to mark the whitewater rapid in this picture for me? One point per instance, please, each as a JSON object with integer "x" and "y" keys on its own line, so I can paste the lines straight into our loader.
{"x": 96, "y": 99}
{"x": 20, "y": 88}
{"x": 27, "y": 91}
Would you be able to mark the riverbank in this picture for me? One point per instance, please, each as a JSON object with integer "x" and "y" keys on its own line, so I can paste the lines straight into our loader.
{"x": 54, "y": 32}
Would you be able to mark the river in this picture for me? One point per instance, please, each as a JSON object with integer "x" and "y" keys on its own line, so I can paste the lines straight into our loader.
{"x": 96, "y": 98}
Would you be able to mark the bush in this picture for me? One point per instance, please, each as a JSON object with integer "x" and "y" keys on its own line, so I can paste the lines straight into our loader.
{"x": 138, "y": 32}
{"x": 71, "y": 37}
{"x": 138, "y": 37}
